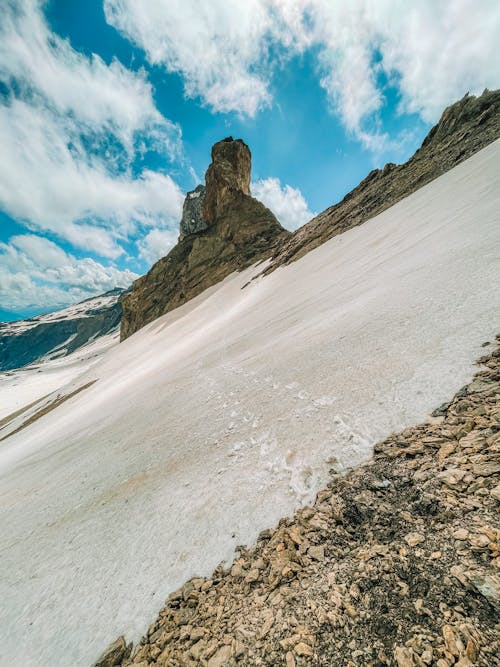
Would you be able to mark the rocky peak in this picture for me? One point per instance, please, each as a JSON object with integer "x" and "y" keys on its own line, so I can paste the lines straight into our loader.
{"x": 223, "y": 229}
{"x": 227, "y": 175}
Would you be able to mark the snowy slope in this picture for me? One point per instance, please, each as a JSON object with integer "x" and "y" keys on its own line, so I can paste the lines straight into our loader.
{"x": 23, "y": 386}
{"x": 218, "y": 418}
{"x": 55, "y": 335}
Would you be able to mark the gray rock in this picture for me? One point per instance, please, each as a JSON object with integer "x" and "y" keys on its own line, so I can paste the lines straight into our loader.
{"x": 192, "y": 213}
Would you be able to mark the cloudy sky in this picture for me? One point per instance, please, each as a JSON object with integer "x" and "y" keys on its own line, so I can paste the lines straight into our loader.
{"x": 108, "y": 110}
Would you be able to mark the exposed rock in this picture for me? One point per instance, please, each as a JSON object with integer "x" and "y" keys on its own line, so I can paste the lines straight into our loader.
{"x": 115, "y": 654}
{"x": 464, "y": 128}
{"x": 192, "y": 220}
{"x": 227, "y": 175}
{"x": 239, "y": 230}
{"x": 406, "y": 574}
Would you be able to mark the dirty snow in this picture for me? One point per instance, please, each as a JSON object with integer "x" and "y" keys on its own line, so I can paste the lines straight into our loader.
{"x": 215, "y": 420}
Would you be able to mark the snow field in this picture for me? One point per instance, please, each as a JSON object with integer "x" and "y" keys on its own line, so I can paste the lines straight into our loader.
{"x": 217, "y": 419}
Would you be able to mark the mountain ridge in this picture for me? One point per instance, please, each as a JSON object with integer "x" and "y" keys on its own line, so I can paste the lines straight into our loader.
{"x": 59, "y": 333}
{"x": 463, "y": 129}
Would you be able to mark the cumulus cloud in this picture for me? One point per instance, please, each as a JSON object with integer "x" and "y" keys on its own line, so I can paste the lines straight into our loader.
{"x": 227, "y": 53}
{"x": 156, "y": 244}
{"x": 70, "y": 127}
{"x": 287, "y": 203}
{"x": 35, "y": 271}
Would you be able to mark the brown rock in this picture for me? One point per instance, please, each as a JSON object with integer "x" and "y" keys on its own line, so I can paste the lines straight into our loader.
{"x": 221, "y": 657}
{"x": 303, "y": 649}
{"x": 227, "y": 175}
{"x": 115, "y": 654}
{"x": 239, "y": 231}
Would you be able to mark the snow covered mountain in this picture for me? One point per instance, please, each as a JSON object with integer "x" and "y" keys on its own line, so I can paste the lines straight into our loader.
{"x": 58, "y": 334}
{"x": 213, "y": 421}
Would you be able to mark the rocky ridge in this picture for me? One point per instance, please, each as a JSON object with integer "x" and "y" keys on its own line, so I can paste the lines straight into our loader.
{"x": 396, "y": 563}
{"x": 223, "y": 229}
{"x": 463, "y": 129}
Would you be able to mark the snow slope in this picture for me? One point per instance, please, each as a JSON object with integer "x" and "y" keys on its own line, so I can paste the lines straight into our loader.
{"x": 22, "y": 386}
{"x": 218, "y": 418}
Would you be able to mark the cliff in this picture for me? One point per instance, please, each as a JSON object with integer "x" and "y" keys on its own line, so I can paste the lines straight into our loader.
{"x": 223, "y": 229}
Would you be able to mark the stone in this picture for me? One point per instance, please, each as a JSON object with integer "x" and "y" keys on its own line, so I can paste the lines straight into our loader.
{"x": 303, "y": 649}
{"x": 495, "y": 492}
{"x": 192, "y": 220}
{"x": 461, "y": 534}
{"x": 115, "y": 654}
{"x": 318, "y": 553}
{"x": 221, "y": 657}
{"x": 403, "y": 656}
{"x": 412, "y": 539}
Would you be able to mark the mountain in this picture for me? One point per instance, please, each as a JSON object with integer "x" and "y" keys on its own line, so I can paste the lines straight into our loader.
{"x": 58, "y": 334}
{"x": 223, "y": 229}
{"x": 216, "y": 420}
{"x": 463, "y": 129}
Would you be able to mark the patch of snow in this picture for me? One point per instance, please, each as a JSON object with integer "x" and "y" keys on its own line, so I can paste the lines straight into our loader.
{"x": 218, "y": 418}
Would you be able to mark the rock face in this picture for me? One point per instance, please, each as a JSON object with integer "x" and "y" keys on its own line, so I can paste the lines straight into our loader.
{"x": 233, "y": 231}
{"x": 464, "y": 128}
{"x": 228, "y": 174}
{"x": 395, "y": 564}
{"x": 60, "y": 333}
{"x": 192, "y": 213}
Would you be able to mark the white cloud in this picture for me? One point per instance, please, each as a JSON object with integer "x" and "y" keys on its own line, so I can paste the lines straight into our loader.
{"x": 156, "y": 244}
{"x": 48, "y": 71}
{"x": 216, "y": 46}
{"x": 69, "y": 129}
{"x": 433, "y": 52}
{"x": 287, "y": 203}
{"x": 35, "y": 272}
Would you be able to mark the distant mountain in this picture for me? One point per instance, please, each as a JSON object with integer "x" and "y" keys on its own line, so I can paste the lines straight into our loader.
{"x": 58, "y": 334}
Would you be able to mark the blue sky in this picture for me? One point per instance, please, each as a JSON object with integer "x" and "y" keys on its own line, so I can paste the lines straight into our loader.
{"x": 109, "y": 108}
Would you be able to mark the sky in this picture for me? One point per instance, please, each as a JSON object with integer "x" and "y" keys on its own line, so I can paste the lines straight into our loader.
{"x": 109, "y": 108}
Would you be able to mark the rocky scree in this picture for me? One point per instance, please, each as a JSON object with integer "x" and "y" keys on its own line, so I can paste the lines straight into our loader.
{"x": 223, "y": 229}
{"x": 396, "y": 563}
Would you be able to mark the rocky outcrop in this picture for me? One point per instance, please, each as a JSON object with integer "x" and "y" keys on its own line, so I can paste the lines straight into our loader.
{"x": 227, "y": 175}
{"x": 233, "y": 231}
{"x": 60, "y": 333}
{"x": 395, "y": 564}
{"x": 464, "y": 128}
{"x": 192, "y": 213}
